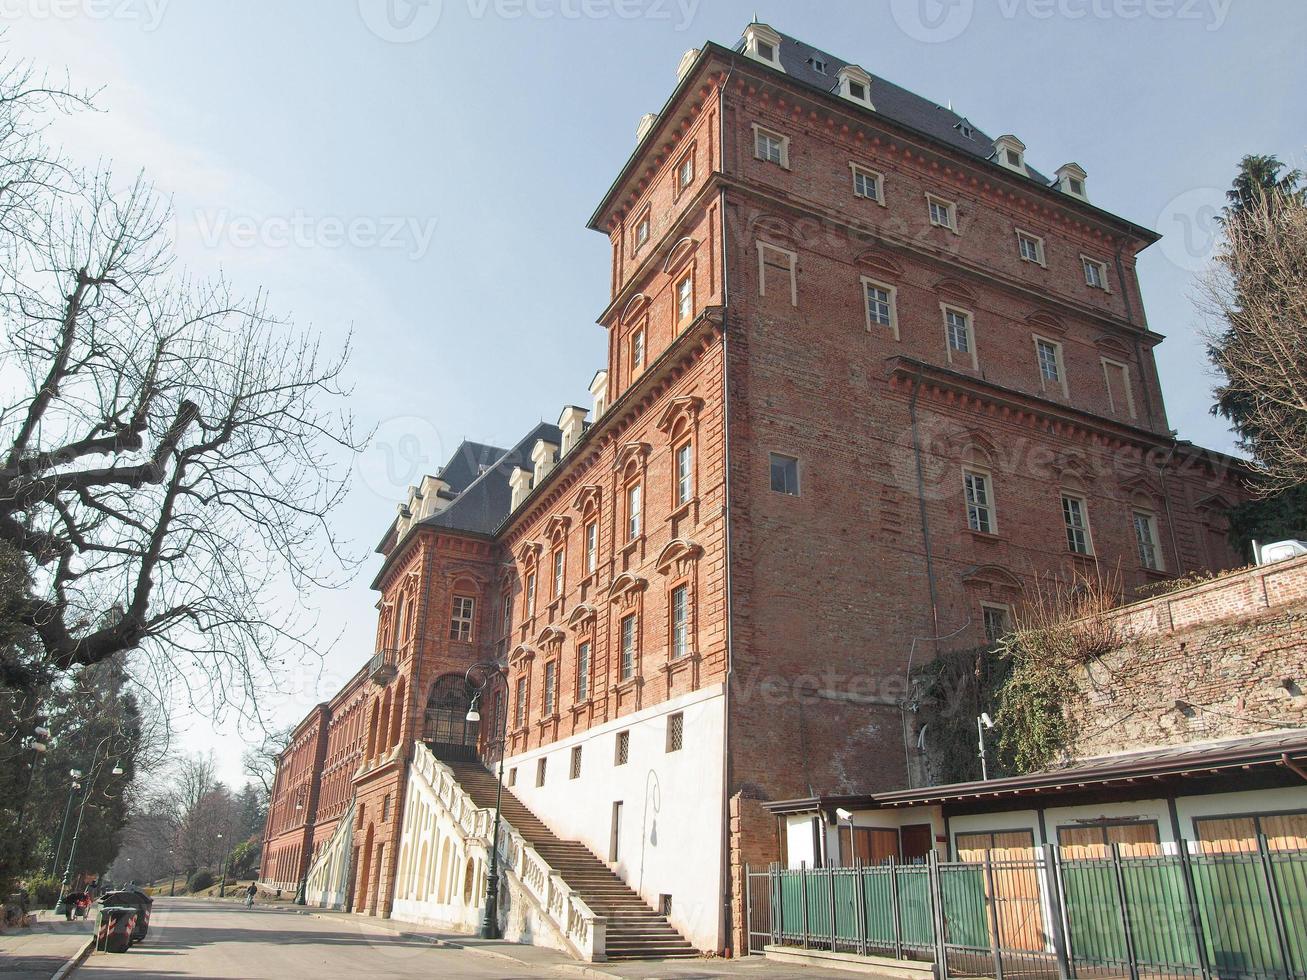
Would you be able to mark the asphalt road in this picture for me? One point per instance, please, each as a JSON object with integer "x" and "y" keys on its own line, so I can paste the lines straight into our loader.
{"x": 201, "y": 939}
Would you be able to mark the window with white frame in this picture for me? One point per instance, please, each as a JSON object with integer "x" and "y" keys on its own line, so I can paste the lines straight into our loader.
{"x": 980, "y": 506}
{"x": 943, "y": 214}
{"x": 685, "y": 298}
{"x": 575, "y": 772}
{"x": 866, "y": 183}
{"x": 591, "y": 546}
{"x": 1095, "y": 272}
{"x": 680, "y": 617}
{"x": 1030, "y": 247}
{"x": 637, "y": 350}
{"x": 628, "y": 647}
{"x": 519, "y": 704}
{"x": 776, "y": 266}
{"x": 1075, "y": 517}
{"x": 880, "y": 300}
{"x": 642, "y": 229}
{"x": 560, "y": 568}
{"x": 1146, "y": 543}
{"x": 551, "y": 686}
{"x": 784, "y": 474}
{"x": 461, "y": 617}
{"x": 633, "y": 505}
{"x": 1049, "y": 355}
{"x": 583, "y": 670}
{"x": 684, "y": 473}
{"x": 957, "y": 334}
{"x": 771, "y": 146}
{"x": 685, "y": 172}
{"x": 997, "y": 620}
{"x": 530, "y": 594}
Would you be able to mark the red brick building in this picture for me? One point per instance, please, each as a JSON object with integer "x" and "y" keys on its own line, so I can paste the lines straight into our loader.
{"x": 870, "y": 375}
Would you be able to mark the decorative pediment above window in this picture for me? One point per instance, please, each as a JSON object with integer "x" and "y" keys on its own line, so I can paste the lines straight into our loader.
{"x": 680, "y": 253}
{"x": 626, "y": 589}
{"x": 879, "y": 264}
{"x": 680, "y": 553}
{"x": 955, "y": 290}
{"x": 587, "y": 501}
{"x": 686, "y": 407}
{"x": 1073, "y": 469}
{"x": 1046, "y": 322}
{"x": 631, "y": 452}
{"x": 529, "y": 553}
{"x": 550, "y": 636}
{"x": 994, "y": 576}
{"x": 1113, "y": 346}
{"x": 467, "y": 574}
{"x": 522, "y": 653}
{"x": 974, "y": 446}
{"x": 1214, "y": 505}
{"x": 1140, "y": 488}
{"x": 637, "y": 305}
{"x": 557, "y": 527}
{"x": 582, "y": 616}
{"x": 774, "y": 231}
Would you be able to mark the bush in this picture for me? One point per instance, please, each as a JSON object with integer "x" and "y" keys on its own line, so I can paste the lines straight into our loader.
{"x": 42, "y": 891}
{"x": 200, "y": 881}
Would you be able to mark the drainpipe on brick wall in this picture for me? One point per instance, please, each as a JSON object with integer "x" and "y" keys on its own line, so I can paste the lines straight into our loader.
{"x": 1166, "y": 503}
{"x": 921, "y": 503}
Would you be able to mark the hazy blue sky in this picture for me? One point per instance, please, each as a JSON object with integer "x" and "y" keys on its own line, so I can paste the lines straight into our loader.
{"x": 458, "y": 147}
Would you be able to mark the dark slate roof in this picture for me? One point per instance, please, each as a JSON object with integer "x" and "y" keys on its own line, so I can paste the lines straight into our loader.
{"x": 469, "y": 461}
{"x": 484, "y": 503}
{"x": 891, "y": 101}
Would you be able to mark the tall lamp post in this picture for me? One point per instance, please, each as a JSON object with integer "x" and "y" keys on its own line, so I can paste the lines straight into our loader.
{"x": 73, "y": 787}
{"x": 40, "y": 735}
{"x": 222, "y": 871}
{"x": 983, "y": 723}
{"x": 489, "y": 673}
{"x": 117, "y": 770}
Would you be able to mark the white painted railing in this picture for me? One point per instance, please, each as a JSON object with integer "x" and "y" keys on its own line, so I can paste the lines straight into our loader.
{"x": 583, "y": 930}
{"x": 327, "y": 883}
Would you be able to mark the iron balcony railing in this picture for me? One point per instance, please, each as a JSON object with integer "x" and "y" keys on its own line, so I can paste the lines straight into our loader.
{"x": 383, "y": 666}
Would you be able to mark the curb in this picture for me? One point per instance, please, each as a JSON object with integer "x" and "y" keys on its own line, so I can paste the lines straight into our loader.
{"x": 75, "y": 961}
{"x": 577, "y": 969}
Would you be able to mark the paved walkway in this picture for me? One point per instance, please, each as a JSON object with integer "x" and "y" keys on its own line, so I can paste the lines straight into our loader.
{"x": 39, "y": 952}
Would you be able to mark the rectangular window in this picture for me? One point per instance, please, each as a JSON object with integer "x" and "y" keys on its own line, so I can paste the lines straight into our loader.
{"x": 591, "y": 546}
{"x": 551, "y": 687}
{"x": 943, "y": 214}
{"x": 576, "y": 763}
{"x": 1076, "y": 518}
{"x": 980, "y": 512}
{"x": 540, "y": 770}
{"x": 628, "y": 647}
{"x": 880, "y": 300}
{"x": 685, "y": 298}
{"x": 642, "y": 230}
{"x": 531, "y": 595}
{"x": 637, "y": 350}
{"x": 774, "y": 264}
{"x": 866, "y": 183}
{"x": 622, "y": 752}
{"x": 675, "y": 732}
{"x": 1095, "y": 272}
{"x": 508, "y": 612}
{"x": 1120, "y": 398}
{"x": 684, "y": 473}
{"x": 685, "y": 172}
{"x": 957, "y": 333}
{"x": 1049, "y": 354}
{"x": 519, "y": 704}
{"x": 512, "y": 776}
{"x": 1031, "y": 247}
{"x": 1150, "y": 555}
{"x": 633, "y": 505}
{"x": 680, "y": 615}
{"x": 771, "y": 146}
{"x": 460, "y": 620}
{"x": 1135, "y": 838}
{"x": 583, "y": 671}
{"x": 784, "y": 474}
{"x": 996, "y": 621}
{"x": 560, "y": 566}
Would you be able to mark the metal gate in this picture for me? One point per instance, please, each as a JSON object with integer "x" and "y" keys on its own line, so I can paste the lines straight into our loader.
{"x": 445, "y": 727}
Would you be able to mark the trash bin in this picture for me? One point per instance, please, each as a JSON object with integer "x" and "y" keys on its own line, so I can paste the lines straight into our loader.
{"x": 139, "y": 901}
{"x": 117, "y": 924}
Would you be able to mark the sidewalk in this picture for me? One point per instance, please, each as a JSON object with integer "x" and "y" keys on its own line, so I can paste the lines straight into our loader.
{"x": 540, "y": 959}
{"x": 41, "y": 952}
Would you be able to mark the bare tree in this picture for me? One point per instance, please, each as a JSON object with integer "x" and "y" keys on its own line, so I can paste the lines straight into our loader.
{"x": 168, "y": 462}
{"x": 1256, "y": 297}
{"x": 260, "y": 761}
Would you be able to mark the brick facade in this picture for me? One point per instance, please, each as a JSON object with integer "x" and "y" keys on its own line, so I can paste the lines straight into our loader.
{"x": 739, "y": 327}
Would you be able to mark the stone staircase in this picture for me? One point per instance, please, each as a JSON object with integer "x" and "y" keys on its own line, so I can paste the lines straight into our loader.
{"x": 635, "y": 931}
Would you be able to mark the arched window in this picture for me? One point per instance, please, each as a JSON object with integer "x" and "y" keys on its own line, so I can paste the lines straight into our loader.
{"x": 445, "y": 727}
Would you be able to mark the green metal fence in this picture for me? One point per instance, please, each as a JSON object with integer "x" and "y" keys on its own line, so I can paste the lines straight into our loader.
{"x": 1241, "y": 916}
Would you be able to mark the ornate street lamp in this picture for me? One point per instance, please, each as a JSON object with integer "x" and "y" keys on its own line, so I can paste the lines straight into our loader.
{"x": 490, "y": 673}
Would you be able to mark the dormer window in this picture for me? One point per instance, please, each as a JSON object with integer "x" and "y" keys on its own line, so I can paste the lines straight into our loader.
{"x": 1071, "y": 180}
{"x": 855, "y": 85}
{"x": 817, "y": 65}
{"x": 966, "y": 129}
{"x": 1010, "y": 152}
{"x": 761, "y": 43}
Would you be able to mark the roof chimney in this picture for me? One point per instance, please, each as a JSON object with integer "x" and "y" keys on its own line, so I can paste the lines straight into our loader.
{"x": 572, "y": 422}
{"x": 519, "y": 481}
{"x": 544, "y": 456}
